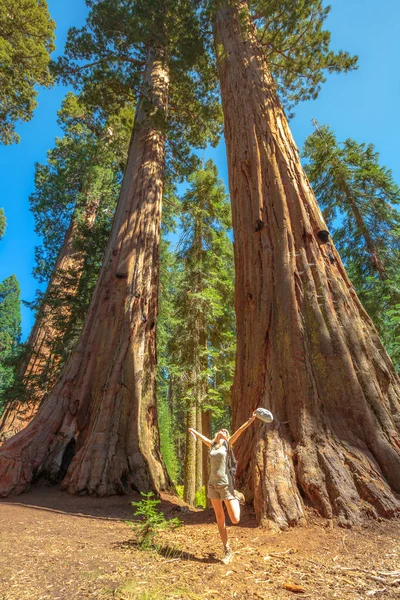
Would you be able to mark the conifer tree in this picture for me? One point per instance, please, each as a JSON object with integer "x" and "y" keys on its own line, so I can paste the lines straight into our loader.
{"x": 354, "y": 190}
{"x": 3, "y": 223}
{"x": 170, "y": 432}
{"x": 101, "y": 416}
{"x": 306, "y": 348}
{"x": 10, "y": 332}
{"x": 202, "y": 342}
{"x": 26, "y": 42}
{"x": 73, "y": 203}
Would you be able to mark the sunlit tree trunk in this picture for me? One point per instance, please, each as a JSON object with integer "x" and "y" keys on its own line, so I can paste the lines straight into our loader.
{"x": 39, "y": 369}
{"x": 199, "y": 449}
{"x": 206, "y": 430}
{"x": 97, "y": 430}
{"x": 306, "y": 349}
{"x": 189, "y": 488}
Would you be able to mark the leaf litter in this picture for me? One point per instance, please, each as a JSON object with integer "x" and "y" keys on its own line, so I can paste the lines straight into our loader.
{"x": 58, "y": 547}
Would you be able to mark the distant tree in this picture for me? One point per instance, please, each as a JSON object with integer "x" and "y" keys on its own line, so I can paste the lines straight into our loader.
{"x": 169, "y": 430}
{"x": 3, "y": 223}
{"x": 359, "y": 197}
{"x": 73, "y": 205}
{"x": 10, "y": 332}
{"x": 26, "y": 42}
{"x": 202, "y": 342}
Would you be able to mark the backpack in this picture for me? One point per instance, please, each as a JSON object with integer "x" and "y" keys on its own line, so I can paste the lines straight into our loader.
{"x": 231, "y": 464}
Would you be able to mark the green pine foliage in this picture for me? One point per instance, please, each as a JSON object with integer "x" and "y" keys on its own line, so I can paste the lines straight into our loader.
{"x": 3, "y": 223}
{"x": 204, "y": 292}
{"x": 10, "y": 332}
{"x": 87, "y": 162}
{"x": 26, "y": 42}
{"x": 295, "y": 44}
{"x": 105, "y": 60}
{"x": 165, "y": 326}
{"x": 167, "y": 438}
{"x": 196, "y": 325}
{"x": 359, "y": 197}
{"x": 86, "y": 165}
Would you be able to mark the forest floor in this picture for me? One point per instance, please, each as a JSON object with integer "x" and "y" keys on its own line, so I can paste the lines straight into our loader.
{"x": 58, "y": 547}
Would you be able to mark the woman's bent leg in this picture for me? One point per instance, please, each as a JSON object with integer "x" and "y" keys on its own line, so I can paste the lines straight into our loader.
{"x": 233, "y": 508}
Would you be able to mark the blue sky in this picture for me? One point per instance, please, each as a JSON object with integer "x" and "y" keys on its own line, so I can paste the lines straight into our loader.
{"x": 363, "y": 105}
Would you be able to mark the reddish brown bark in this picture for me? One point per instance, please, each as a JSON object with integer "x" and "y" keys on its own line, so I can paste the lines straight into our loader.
{"x": 102, "y": 412}
{"x": 41, "y": 361}
{"x": 306, "y": 349}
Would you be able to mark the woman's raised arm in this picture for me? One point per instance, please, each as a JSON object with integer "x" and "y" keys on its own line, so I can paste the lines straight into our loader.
{"x": 202, "y": 437}
{"x": 242, "y": 428}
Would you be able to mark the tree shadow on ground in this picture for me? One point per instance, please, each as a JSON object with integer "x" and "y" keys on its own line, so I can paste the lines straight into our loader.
{"x": 53, "y": 499}
{"x": 169, "y": 552}
{"x": 171, "y": 507}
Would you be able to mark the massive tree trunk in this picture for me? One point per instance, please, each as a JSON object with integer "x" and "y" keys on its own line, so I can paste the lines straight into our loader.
{"x": 306, "y": 348}
{"x": 97, "y": 430}
{"x": 39, "y": 369}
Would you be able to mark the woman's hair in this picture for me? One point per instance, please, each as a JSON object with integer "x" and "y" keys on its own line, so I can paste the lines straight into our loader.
{"x": 216, "y": 435}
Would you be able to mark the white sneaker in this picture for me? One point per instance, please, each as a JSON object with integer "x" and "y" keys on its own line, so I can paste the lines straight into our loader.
{"x": 228, "y": 555}
{"x": 239, "y": 496}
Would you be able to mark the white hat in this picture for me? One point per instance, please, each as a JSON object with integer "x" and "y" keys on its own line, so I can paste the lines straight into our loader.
{"x": 265, "y": 415}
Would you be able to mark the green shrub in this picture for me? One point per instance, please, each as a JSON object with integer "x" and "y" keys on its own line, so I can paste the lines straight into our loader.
{"x": 200, "y": 498}
{"x": 152, "y": 521}
{"x": 179, "y": 490}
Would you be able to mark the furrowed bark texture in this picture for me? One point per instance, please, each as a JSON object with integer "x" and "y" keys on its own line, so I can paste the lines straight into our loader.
{"x": 306, "y": 349}
{"x": 97, "y": 430}
{"x": 41, "y": 361}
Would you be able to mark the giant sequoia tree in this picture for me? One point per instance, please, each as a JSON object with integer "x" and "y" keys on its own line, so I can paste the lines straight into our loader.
{"x": 358, "y": 198}
{"x": 97, "y": 430}
{"x": 26, "y": 41}
{"x": 305, "y": 346}
{"x": 75, "y": 197}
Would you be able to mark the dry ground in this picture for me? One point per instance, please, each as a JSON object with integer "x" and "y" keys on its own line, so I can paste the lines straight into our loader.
{"x": 58, "y": 547}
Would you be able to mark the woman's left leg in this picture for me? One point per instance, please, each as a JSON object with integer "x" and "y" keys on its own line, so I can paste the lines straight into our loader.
{"x": 233, "y": 508}
{"x": 220, "y": 517}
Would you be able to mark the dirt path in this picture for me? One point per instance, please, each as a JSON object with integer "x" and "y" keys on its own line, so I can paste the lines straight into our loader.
{"x": 58, "y": 547}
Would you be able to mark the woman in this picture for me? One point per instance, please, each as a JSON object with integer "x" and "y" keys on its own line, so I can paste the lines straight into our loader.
{"x": 220, "y": 485}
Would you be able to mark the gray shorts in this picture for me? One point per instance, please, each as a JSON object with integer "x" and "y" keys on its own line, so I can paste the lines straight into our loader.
{"x": 220, "y": 492}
